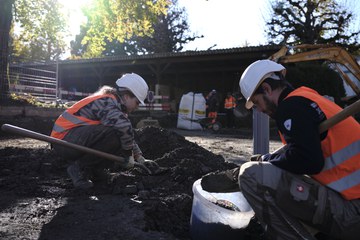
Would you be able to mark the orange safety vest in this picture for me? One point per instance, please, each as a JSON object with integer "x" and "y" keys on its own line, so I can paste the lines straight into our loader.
{"x": 230, "y": 103}
{"x": 341, "y": 149}
{"x": 68, "y": 120}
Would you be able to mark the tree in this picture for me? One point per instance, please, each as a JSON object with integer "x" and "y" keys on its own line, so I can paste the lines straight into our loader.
{"x": 41, "y": 31}
{"x": 5, "y": 24}
{"x": 311, "y": 22}
{"x": 170, "y": 33}
{"x": 110, "y": 21}
{"x": 77, "y": 48}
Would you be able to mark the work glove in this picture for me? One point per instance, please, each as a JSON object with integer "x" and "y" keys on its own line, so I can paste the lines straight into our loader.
{"x": 127, "y": 162}
{"x": 259, "y": 157}
{"x": 256, "y": 158}
{"x": 148, "y": 163}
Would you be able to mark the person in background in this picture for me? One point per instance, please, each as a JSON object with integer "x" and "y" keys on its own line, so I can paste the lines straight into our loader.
{"x": 229, "y": 106}
{"x": 212, "y": 103}
{"x": 311, "y": 186}
{"x": 100, "y": 121}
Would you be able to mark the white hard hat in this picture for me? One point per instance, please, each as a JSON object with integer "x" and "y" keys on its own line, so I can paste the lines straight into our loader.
{"x": 253, "y": 76}
{"x": 135, "y": 84}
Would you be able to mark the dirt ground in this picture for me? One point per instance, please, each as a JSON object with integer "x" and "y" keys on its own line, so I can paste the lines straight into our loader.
{"x": 38, "y": 200}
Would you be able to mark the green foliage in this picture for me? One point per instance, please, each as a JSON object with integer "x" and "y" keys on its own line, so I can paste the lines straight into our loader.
{"x": 170, "y": 33}
{"x": 117, "y": 20}
{"x": 17, "y": 99}
{"x": 312, "y": 22}
{"x": 317, "y": 76}
{"x": 40, "y": 29}
{"x": 77, "y": 48}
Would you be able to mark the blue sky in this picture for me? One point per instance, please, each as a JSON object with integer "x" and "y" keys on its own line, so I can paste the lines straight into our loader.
{"x": 238, "y": 23}
{"x": 227, "y": 23}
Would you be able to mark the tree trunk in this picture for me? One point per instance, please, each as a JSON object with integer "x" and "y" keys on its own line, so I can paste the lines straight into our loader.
{"x": 5, "y": 24}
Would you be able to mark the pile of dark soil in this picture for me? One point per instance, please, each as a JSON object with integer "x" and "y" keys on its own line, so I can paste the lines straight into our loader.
{"x": 38, "y": 200}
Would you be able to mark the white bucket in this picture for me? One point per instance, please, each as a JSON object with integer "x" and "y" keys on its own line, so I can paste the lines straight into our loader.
{"x": 209, "y": 220}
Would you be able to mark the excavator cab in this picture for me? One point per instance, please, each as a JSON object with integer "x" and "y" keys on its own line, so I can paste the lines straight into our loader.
{"x": 336, "y": 55}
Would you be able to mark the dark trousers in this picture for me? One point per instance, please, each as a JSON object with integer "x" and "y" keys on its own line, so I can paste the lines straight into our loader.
{"x": 229, "y": 117}
{"x": 287, "y": 204}
{"x": 99, "y": 137}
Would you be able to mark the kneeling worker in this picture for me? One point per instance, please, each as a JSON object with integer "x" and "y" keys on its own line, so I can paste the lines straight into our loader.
{"x": 315, "y": 181}
{"x": 100, "y": 121}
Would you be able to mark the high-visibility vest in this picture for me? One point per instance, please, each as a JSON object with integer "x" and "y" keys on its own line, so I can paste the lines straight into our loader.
{"x": 341, "y": 149}
{"x": 230, "y": 102}
{"x": 212, "y": 115}
{"x": 68, "y": 120}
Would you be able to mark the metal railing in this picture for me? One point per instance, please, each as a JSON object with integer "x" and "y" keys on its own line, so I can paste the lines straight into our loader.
{"x": 35, "y": 79}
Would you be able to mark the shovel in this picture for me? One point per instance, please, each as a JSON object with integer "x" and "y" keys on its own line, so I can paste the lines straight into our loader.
{"x": 27, "y": 133}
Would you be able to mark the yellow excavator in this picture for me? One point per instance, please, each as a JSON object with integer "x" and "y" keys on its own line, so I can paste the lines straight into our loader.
{"x": 311, "y": 52}
{"x": 331, "y": 53}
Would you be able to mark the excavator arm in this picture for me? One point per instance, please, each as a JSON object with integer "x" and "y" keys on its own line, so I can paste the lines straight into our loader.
{"x": 334, "y": 54}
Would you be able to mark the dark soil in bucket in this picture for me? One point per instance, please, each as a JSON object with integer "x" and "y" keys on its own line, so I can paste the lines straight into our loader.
{"x": 38, "y": 200}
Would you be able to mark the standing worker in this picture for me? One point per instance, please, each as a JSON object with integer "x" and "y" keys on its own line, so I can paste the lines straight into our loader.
{"x": 100, "y": 121}
{"x": 212, "y": 103}
{"x": 229, "y": 106}
{"x": 314, "y": 182}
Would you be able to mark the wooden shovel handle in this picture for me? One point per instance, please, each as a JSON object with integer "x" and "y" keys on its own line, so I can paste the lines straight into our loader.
{"x": 31, "y": 134}
{"x": 340, "y": 116}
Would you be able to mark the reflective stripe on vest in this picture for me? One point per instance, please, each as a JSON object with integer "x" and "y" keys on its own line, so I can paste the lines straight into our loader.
{"x": 345, "y": 153}
{"x": 68, "y": 120}
{"x": 341, "y": 149}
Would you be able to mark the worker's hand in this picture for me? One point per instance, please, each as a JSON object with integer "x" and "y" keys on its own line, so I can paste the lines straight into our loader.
{"x": 127, "y": 162}
{"x": 256, "y": 158}
{"x": 260, "y": 157}
{"x": 147, "y": 162}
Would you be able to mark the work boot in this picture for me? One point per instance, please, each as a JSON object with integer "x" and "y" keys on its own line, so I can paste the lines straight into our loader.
{"x": 78, "y": 177}
{"x": 225, "y": 181}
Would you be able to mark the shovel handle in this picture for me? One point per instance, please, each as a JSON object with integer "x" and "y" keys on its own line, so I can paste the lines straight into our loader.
{"x": 340, "y": 116}
{"x": 31, "y": 134}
